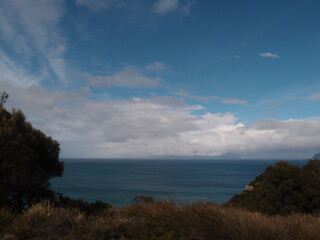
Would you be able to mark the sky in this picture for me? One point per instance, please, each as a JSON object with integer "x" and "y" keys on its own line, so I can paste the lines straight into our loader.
{"x": 166, "y": 78}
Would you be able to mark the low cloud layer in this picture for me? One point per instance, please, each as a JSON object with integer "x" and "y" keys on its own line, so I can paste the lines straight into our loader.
{"x": 156, "y": 127}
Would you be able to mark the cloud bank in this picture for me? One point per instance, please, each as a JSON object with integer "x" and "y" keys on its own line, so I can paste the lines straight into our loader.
{"x": 156, "y": 127}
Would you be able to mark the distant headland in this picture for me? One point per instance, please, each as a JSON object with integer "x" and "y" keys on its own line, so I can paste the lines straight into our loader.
{"x": 316, "y": 156}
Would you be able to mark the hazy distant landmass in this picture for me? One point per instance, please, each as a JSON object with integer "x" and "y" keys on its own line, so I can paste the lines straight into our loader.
{"x": 316, "y": 156}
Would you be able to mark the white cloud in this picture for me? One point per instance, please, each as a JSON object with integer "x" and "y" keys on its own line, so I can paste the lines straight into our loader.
{"x": 268, "y": 55}
{"x": 237, "y": 57}
{"x": 233, "y": 101}
{"x": 160, "y": 126}
{"x": 169, "y": 101}
{"x": 165, "y": 6}
{"x": 156, "y": 66}
{"x": 314, "y": 97}
{"x": 182, "y": 93}
{"x": 128, "y": 77}
{"x": 186, "y": 7}
{"x": 30, "y": 29}
{"x": 98, "y": 5}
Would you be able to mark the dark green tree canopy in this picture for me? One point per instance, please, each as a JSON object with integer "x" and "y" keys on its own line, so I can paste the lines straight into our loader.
{"x": 28, "y": 160}
{"x": 3, "y": 98}
{"x": 283, "y": 189}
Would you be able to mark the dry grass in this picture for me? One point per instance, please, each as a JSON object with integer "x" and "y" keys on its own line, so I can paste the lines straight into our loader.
{"x": 156, "y": 221}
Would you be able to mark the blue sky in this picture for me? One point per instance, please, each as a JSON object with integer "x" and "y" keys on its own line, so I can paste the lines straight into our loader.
{"x": 161, "y": 78}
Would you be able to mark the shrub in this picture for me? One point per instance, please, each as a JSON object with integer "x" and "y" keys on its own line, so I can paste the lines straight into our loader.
{"x": 89, "y": 208}
{"x": 44, "y": 221}
{"x": 143, "y": 199}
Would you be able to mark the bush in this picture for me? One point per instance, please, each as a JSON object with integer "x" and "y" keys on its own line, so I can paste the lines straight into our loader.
{"x": 94, "y": 208}
{"x": 143, "y": 199}
{"x": 44, "y": 221}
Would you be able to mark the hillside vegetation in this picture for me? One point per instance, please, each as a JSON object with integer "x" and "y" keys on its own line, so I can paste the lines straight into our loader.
{"x": 283, "y": 189}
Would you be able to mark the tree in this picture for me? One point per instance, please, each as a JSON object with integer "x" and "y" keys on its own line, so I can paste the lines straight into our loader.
{"x": 28, "y": 160}
{"x": 3, "y": 98}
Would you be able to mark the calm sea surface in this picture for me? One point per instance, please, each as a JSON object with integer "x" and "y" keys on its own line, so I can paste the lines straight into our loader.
{"x": 119, "y": 181}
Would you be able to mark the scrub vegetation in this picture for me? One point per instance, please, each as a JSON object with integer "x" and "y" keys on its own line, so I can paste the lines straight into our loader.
{"x": 158, "y": 221}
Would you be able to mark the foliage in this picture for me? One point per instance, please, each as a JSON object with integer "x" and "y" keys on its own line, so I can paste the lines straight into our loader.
{"x": 283, "y": 189}
{"x": 3, "y": 98}
{"x": 5, "y": 218}
{"x": 85, "y": 207}
{"x": 310, "y": 186}
{"x": 143, "y": 199}
{"x": 28, "y": 160}
{"x": 158, "y": 221}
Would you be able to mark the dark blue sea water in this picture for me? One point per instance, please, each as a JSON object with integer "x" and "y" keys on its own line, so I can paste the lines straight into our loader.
{"x": 119, "y": 181}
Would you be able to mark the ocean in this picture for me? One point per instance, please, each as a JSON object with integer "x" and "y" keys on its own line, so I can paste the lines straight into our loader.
{"x": 118, "y": 181}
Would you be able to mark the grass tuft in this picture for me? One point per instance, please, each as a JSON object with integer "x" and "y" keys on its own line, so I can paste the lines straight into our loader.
{"x": 156, "y": 221}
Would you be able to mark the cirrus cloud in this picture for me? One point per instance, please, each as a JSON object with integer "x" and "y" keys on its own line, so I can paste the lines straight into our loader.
{"x": 234, "y": 101}
{"x": 314, "y": 97}
{"x": 31, "y": 30}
